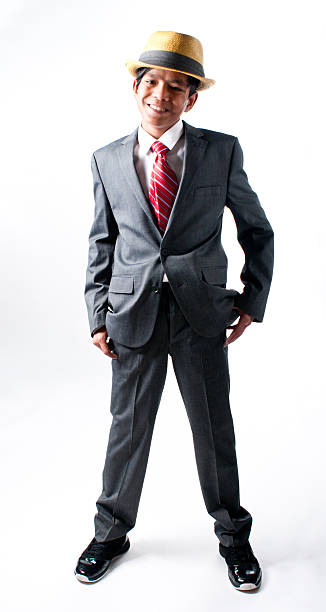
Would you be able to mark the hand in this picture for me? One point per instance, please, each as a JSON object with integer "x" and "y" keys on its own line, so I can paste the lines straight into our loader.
{"x": 100, "y": 340}
{"x": 238, "y": 329}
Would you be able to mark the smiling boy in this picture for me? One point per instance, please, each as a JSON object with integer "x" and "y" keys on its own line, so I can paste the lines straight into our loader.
{"x": 162, "y": 96}
{"x": 156, "y": 286}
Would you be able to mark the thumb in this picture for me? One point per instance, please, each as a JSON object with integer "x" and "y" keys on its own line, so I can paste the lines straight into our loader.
{"x": 104, "y": 345}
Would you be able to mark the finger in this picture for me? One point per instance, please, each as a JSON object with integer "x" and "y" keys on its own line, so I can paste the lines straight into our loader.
{"x": 103, "y": 346}
{"x": 231, "y": 338}
{"x": 237, "y": 332}
{"x": 112, "y": 352}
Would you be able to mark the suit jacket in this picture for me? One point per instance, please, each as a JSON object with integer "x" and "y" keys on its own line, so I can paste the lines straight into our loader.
{"x": 128, "y": 256}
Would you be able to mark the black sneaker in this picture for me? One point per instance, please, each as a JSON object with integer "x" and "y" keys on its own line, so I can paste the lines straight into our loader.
{"x": 95, "y": 560}
{"x": 244, "y": 571}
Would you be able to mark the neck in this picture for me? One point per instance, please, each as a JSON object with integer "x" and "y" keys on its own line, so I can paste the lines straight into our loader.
{"x": 154, "y": 131}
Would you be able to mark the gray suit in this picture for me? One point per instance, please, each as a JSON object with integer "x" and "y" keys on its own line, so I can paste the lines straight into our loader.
{"x": 148, "y": 319}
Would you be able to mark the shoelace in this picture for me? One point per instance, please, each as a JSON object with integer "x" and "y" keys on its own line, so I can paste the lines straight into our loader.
{"x": 240, "y": 555}
{"x": 94, "y": 550}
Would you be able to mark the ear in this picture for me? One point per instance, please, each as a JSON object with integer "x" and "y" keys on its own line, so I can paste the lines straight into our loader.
{"x": 191, "y": 101}
{"x": 134, "y": 86}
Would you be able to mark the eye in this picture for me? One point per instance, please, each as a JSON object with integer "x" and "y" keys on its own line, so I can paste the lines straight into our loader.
{"x": 150, "y": 81}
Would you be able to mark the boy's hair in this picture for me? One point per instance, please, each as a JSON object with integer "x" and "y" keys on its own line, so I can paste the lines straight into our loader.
{"x": 192, "y": 82}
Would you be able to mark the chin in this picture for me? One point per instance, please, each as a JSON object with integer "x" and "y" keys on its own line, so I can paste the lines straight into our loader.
{"x": 159, "y": 120}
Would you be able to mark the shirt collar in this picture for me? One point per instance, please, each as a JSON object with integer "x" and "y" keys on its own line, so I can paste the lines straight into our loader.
{"x": 169, "y": 138}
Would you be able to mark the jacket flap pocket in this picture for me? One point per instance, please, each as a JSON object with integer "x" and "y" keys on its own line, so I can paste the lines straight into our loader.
{"x": 121, "y": 284}
{"x": 209, "y": 190}
{"x": 215, "y": 275}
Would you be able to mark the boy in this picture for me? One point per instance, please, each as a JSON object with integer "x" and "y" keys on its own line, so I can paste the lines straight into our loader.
{"x": 156, "y": 285}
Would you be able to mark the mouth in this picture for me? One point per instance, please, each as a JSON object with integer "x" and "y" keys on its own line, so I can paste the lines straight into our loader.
{"x": 157, "y": 109}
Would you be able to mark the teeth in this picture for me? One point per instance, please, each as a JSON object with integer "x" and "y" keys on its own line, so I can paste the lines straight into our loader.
{"x": 162, "y": 110}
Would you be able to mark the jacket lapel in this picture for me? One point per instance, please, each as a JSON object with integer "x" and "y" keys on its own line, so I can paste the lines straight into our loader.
{"x": 195, "y": 147}
{"x": 126, "y": 160}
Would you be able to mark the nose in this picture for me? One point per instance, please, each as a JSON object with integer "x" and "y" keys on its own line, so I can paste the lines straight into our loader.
{"x": 161, "y": 91}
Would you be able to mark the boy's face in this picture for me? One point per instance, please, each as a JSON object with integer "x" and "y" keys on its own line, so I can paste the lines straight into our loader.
{"x": 162, "y": 97}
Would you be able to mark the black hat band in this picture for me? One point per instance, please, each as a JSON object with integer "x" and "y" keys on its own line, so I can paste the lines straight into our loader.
{"x": 175, "y": 61}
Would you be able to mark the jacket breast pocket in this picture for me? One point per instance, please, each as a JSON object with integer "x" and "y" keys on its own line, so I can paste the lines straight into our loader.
{"x": 208, "y": 191}
{"x": 214, "y": 275}
{"x": 121, "y": 284}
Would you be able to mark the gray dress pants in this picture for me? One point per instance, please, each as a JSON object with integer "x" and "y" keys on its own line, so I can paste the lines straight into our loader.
{"x": 138, "y": 376}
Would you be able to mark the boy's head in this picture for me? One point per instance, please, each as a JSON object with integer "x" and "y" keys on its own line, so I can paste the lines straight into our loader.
{"x": 168, "y": 74}
{"x": 162, "y": 96}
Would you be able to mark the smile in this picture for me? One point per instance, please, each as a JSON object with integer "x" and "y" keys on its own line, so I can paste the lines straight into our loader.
{"x": 157, "y": 109}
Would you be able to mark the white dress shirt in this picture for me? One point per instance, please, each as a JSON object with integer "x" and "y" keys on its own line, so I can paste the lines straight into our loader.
{"x": 144, "y": 159}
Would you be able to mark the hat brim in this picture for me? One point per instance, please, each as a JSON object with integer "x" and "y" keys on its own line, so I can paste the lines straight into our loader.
{"x": 133, "y": 65}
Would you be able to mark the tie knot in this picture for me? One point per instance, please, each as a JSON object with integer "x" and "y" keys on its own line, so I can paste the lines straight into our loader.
{"x": 160, "y": 148}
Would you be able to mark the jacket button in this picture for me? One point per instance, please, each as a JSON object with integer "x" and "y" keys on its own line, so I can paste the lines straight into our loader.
{"x": 164, "y": 252}
{"x": 156, "y": 290}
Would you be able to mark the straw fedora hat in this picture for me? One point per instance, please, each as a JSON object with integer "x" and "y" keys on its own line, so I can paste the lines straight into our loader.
{"x": 173, "y": 51}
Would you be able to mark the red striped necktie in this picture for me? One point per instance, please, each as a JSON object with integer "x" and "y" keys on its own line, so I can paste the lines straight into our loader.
{"x": 163, "y": 185}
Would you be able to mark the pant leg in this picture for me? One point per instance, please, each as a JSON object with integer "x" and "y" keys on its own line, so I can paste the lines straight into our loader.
{"x": 138, "y": 377}
{"x": 201, "y": 369}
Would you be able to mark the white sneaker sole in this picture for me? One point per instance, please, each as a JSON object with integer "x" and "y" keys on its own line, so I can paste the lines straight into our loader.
{"x": 248, "y": 587}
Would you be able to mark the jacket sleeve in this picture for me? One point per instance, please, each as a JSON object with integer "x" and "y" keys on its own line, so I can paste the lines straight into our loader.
{"x": 102, "y": 238}
{"x": 255, "y": 236}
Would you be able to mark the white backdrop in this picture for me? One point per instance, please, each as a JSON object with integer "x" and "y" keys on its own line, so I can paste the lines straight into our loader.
{"x": 65, "y": 93}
